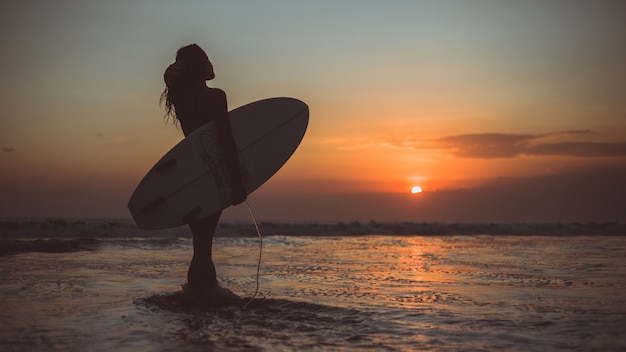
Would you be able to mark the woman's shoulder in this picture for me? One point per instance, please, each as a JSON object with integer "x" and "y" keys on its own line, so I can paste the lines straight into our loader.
{"x": 212, "y": 93}
{"x": 211, "y": 100}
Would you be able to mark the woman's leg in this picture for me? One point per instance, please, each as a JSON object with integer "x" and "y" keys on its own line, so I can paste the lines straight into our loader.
{"x": 201, "y": 272}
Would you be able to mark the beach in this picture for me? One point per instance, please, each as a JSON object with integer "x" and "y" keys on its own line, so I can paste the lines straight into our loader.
{"x": 114, "y": 289}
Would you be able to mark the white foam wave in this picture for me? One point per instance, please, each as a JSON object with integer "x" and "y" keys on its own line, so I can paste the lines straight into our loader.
{"x": 125, "y": 228}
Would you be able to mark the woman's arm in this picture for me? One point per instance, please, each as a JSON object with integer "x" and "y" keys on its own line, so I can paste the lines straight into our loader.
{"x": 219, "y": 107}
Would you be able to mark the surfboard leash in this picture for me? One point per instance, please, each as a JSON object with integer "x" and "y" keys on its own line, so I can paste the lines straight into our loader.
{"x": 258, "y": 268}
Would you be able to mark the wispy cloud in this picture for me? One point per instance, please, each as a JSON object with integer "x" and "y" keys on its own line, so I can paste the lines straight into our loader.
{"x": 351, "y": 143}
{"x": 501, "y": 145}
{"x": 359, "y": 143}
{"x": 495, "y": 145}
{"x": 8, "y": 149}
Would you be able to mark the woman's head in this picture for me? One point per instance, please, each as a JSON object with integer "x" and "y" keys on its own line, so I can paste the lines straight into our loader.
{"x": 192, "y": 66}
{"x": 196, "y": 61}
{"x": 191, "y": 69}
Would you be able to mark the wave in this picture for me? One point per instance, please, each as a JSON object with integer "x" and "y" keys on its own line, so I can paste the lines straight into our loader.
{"x": 79, "y": 228}
{"x": 445, "y": 229}
{"x": 126, "y": 228}
{"x": 68, "y": 235}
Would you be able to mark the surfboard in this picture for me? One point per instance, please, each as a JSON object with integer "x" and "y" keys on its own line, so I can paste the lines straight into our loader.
{"x": 189, "y": 182}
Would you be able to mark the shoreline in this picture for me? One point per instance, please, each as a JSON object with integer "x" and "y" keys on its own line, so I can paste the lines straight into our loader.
{"x": 56, "y": 235}
{"x": 15, "y": 228}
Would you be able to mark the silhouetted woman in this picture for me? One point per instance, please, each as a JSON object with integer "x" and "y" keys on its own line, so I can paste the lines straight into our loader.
{"x": 192, "y": 104}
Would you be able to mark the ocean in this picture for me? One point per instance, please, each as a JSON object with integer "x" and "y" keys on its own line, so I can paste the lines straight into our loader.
{"x": 103, "y": 285}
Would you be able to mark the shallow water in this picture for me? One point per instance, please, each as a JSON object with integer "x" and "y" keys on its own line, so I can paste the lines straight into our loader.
{"x": 440, "y": 293}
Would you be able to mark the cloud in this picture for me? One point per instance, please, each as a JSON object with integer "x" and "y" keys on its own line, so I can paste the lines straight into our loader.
{"x": 500, "y": 145}
{"x": 485, "y": 146}
{"x": 582, "y": 149}
{"x": 8, "y": 149}
{"x": 351, "y": 143}
{"x": 494, "y": 145}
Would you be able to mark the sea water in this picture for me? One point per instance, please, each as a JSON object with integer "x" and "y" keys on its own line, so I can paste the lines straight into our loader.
{"x": 336, "y": 293}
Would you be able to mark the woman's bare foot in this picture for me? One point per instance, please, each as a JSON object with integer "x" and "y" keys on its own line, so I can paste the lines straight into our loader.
{"x": 216, "y": 296}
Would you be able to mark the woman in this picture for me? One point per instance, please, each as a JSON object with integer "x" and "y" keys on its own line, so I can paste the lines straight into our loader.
{"x": 192, "y": 104}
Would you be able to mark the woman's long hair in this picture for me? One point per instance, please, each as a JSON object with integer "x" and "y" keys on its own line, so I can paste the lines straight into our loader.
{"x": 182, "y": 78}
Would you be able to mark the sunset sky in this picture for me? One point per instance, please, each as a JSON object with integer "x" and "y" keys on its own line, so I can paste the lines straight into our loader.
{"x": 499, "y": 110}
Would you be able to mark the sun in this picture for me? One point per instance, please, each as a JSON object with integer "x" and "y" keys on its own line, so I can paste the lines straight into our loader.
{"x": 416, "y": 189}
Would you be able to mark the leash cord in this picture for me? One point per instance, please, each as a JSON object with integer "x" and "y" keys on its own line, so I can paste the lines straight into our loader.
{"x": 258, "y": 268}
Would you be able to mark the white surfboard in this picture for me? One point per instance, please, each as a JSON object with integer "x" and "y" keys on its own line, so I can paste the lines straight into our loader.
{"x": 190, "y": 182}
